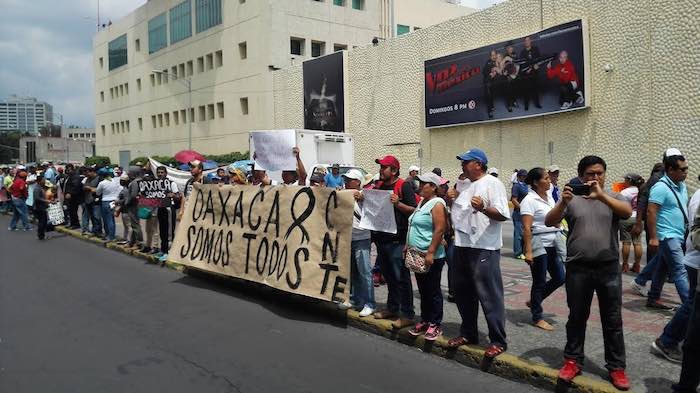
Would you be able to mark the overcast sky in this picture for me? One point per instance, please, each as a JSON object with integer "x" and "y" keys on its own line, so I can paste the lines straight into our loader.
{"x": 46, "y": 50}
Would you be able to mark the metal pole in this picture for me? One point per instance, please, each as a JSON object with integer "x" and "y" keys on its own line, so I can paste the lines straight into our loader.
{"x": 189, "y": 94}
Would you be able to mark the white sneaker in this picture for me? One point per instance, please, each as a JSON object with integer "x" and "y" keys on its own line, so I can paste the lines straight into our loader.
{"x": 366, "y": 311}
{"x": 345, "y": 306}
{"x": 639, "y": 290}
{"x": 566, "y": 105}
{"x": 580, "y": 100}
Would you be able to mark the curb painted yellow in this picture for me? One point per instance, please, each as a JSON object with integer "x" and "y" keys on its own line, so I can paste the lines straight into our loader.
{"x": 505, "y": 365}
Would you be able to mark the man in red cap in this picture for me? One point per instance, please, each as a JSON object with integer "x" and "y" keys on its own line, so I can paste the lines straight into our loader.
{"x": 390, "y": 246}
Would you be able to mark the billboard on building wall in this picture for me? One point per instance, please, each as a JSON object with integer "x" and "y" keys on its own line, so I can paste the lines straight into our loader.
{"x": 542, "y": 73}
{"x": 324, "y": 93}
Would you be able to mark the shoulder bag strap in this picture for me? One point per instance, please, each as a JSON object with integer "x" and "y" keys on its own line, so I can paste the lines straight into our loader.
{"x": 678, "y": 200}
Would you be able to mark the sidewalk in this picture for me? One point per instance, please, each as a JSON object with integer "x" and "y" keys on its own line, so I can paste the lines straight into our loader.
{"x": 647, "y": 372}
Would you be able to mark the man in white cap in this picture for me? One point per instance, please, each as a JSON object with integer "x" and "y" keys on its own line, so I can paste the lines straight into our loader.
{"x": 493, "y": 171}
{"x": 554, "y": 190}
{"x": 412, "y": 178}
{"x": 362, "y": 288}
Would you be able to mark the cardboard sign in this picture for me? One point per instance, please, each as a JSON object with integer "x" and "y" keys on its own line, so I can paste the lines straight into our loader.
{"x": 154, "y": 193}
{"x": 55, "y": 214}
{"x": 378, "y": 211}
{"x": 273, "y": 150}
{"x": 295, "y": 239}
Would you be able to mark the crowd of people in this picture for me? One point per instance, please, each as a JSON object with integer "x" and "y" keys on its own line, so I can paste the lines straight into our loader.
{"x": 569, "y": 232}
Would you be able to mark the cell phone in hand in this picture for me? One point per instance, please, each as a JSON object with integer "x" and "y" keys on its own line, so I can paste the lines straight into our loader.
{"x": 580, "y": 189}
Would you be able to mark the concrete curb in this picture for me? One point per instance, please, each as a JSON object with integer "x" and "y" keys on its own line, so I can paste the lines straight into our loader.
{"x": 506, "y": 365}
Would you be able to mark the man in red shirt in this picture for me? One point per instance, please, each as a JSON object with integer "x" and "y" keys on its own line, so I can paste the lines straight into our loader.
{"x": 20, "y": 192}
{"x": 570, "y": 93}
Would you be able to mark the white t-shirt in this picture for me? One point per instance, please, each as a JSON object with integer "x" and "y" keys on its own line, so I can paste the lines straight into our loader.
{"x": 474, "y": 229}
{"x": 533, "y": 205}
{"x": 692, "y": 257}
{"x": 630, "y": 195}
{"x": 109, "y": 190}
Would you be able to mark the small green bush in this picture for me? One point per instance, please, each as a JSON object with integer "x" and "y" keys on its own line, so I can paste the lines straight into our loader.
{"x": 97, "y": 161}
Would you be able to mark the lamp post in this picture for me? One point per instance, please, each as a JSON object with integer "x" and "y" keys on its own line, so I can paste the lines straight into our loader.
{"x": 188, "y": 83}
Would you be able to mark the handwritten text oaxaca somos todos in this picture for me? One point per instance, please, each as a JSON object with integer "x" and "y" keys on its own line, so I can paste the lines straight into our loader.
{"x": 295, "y": 239}
{"x": 154, "y": 193}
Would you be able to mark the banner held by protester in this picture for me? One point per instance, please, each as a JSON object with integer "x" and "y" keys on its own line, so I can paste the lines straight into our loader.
{"x": 378, "y": 211}
{"x": 155, "y": 193}
{"x": 296, "y": 239}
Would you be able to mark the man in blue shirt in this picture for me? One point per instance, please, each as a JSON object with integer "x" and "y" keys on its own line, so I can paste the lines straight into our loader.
{"x": 518, "y": 192}
{"x": 668, "y": 223}
{"x": 333, "y": 178}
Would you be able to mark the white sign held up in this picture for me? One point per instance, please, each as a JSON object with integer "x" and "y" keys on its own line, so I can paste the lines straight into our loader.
{"x": 378, "y": 211}
{"x": 273, "y": 150}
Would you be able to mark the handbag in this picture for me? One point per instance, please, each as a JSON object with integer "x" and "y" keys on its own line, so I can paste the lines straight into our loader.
{"x": 145, "y": 213}
{"x": 415, "y": 258}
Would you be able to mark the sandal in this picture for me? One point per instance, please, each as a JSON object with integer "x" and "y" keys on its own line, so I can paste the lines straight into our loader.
{"x": 493, "y": 350}
{"x": 458, "y": 342}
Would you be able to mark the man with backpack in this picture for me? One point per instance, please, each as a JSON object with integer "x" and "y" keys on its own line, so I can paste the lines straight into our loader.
{"x": 390, "y": 246}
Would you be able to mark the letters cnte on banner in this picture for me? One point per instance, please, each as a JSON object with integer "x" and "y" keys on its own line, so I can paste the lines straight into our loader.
{"x": 296, "y": 239}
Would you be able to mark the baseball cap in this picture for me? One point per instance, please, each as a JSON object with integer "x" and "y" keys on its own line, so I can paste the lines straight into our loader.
{"x": 413, "y": 168}
{"x": 672, "y": 152}
{"x": 522, "y": 172}
{"x": 430, "y": 177}
{"x": 388, "y": 161}
{"x": 492, "y": 171}
{"x": 335, "y": 166}
{"x": 474, "y": 155}
{"x": 552, "y": 168}
{"x": 354, "y": 174}
{"x": 437, "y": 171}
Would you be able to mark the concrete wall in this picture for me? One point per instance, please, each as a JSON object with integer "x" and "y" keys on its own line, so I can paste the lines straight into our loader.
{"x": 645, "y": 105}
{"x": 57, "y": 149}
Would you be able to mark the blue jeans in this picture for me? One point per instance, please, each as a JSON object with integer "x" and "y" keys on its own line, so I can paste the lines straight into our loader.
{"x": 431, "y": 293}
{"x": 541, "y": 288}
{"x": 675, "y": 329}
{"x": 91, "y": 214}
{"x": 690, "y": 378}
{"x": 398, "y": 279}
{"x": 108, "y": 220}
{"x": 648, "y": 272}
{"x": 517, "y": 234}
{"x": 361, "y": 288}
{"x": 19, "y": 213}
{"x": 670, "y": 257}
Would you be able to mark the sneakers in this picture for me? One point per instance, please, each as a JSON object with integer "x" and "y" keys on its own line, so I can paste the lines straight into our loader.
{"x": 344, "y": 306}
{"x": 657, "y": 305}
{"x": 366, "y": 311}
{"x": 420, "y": 328}
{"x": 639, "y": 290}
{"x": 670, "y": 353}
{"x": 579, "y": 99}
{"x": 619, "y": 379}
{"x": 569, "y": 371}
{"x": 521, "y": 256}
{"x": 566, "y": 105}
{"x": 434, "y": 331}
{"x": 12, "y": 229}
{"x": 27, "y": 229}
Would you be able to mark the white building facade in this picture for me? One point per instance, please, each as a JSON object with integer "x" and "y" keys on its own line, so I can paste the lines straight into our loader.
{"x": 174, "y": 74}
{"x": 26, "y": 114}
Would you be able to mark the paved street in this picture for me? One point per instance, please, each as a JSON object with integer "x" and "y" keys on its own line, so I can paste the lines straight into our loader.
{"x": 79, "y": 318}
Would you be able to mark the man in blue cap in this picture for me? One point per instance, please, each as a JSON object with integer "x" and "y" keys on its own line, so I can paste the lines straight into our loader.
{"x": 478, "y": 212}
{"x": 518, "y": 192}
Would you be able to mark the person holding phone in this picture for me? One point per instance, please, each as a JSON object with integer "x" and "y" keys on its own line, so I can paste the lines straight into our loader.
{"x": 592, "y": 267}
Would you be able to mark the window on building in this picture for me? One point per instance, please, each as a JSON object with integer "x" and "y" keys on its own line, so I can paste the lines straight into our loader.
{"x": 220, "y": 109}
{"x": 181, "y": 70}
{"x": 208, "y": 14}
{"x": 358, "y": 4}
{"x": 121, "y": 90}
{"x": 210, "y": 61}
{"x": 200, "y": 65}
{"x": 117, "y": 53}
{"x": 243, "y": 50}
{"x": 218, "y": 58}
{"x": 241, "y": 1}
{"x": 140, "y": 124}
{"x": 102, "y": 96}
{"x": 126, "y": 88}
{"x": 166, "y": 117}
{"x": 339, "y": 47}
{"x": 102, "y": 62}
{"x": 296, "y": 46}
{"x": 190, "y": 68}
{"x": 153, "y": 80}
{"x": 339, "y": 2}
{"x": 159, "y": 78}
{"x": 210, "y": 112}
{"x": 181, "y": 21}
{"x": 138, "y": 84}
{"x": 416, "y": 28}
{"x": 103, "y": 129}
{"x": 191, "y": 115}
{"x": 244, "y": 105}
{"x": 160, "y": 120}
{"x": 128, "y": 128}
{"x": 318, "y": 49}
{"x": 137, "y": 45}
{"x": 202, "y": 113}
{"x": 183, "y": 115}
{"x": 157, "y": 33}
{"x": 176, "y": 117}
{"x": 111, "y": 93}
{"x": 153, "y": 121}
{"x": 111, "y": 126}
{"x": 165, "y": 75}
{"x": 402, "y": 29}
{"x": 173, "y": 72}
{"x": 123, "y": 127}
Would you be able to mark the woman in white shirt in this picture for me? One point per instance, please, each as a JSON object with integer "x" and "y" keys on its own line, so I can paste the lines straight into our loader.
{"x": 632, "y": 184}
{"x": 543, "y": 244}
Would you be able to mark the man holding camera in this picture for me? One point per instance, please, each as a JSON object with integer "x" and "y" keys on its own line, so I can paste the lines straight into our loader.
{"x": 592, "y": 267}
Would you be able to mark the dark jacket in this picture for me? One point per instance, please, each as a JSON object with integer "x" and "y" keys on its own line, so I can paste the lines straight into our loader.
{"x": 530, "y": 55}
{"x": 643, "y": 196}
{"x": 490, "y": 64}
{"x": 74, "y": 186}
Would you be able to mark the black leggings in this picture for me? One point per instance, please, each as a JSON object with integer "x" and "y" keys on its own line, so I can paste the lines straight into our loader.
{"x": 164, "y": 228}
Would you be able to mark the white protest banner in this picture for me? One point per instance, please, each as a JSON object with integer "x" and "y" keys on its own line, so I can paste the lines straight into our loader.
{"x": 55, "y": 214}
{"x": 273, "y": 150}
{"x": 378, "y": 211}
{"x": 179, "y": 177}
{"x": 295, "y": 239}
